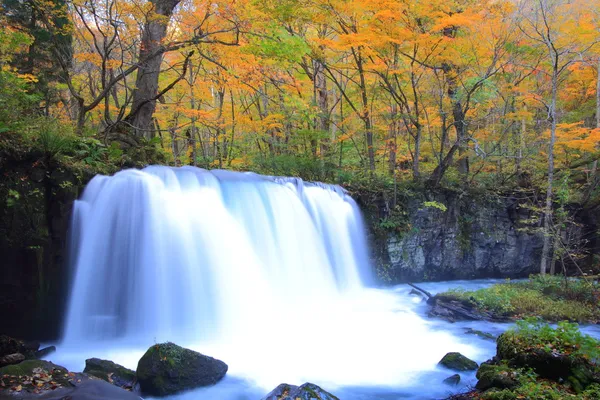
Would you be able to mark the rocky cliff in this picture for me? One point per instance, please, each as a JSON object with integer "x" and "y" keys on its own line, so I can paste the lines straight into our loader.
{"x": 445, "y": 235}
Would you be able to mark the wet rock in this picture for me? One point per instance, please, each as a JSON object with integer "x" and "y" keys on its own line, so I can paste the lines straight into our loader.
{"x": 46, "y": 351}
{"x": 496, "y": 376}
{"x": 458, "y": 362}
{"x": 483, "y": 335}
{"x": 307, "y": 391}
{"x": 110, "y": 372}
{"x": 11, "y": 359}
{"x": 452, "y": 380}
{"x": 88, "y": 390}
{"x": 167, "y": 369}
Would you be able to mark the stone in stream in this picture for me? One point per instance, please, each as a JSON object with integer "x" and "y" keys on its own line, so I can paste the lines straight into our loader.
{"x": 110, "y": 372}
{"x": 307, "y": 391}
{"x": 452, "y": 380}
{"x": 481, "y": 334}
{"x": 167, "y": 369}
{"x": 458, "y": 362}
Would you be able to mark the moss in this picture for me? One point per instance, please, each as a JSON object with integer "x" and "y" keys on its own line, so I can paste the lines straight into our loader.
{"x": 458, "y": 362}
{"x": 552, "y": 299}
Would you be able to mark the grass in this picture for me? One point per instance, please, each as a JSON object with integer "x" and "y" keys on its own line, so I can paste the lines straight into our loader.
{"x": 551, "y": 298}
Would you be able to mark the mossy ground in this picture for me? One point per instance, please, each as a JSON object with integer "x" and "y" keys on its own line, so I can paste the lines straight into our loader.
{"x": 537, "y": 361}
{"x": 551, "y": 298}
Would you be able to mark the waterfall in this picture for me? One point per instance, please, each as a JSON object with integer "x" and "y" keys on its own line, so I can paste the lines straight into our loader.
{"x": 269, "y": 274}
{"x": 189, "y": 254}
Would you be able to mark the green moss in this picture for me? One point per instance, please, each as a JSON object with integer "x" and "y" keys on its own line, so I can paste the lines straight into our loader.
{"x": 458, "y": 362}
{"x": 550, "y": 298}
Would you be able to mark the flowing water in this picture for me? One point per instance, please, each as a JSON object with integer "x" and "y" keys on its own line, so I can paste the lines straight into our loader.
{"x": 270, "y": 275}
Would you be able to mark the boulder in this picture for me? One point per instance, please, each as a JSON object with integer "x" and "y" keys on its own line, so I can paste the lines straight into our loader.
{"x": 34, "y": 376}
{"x": 496, "y": 376}
{"x": 110, "y": 372}
{"x": 307, "y": 391}
{"x": 549, "y": 363}
{"x": 452, "y": 380}
{"x": 167, "y": 369}
{"x": 458, "y": 362}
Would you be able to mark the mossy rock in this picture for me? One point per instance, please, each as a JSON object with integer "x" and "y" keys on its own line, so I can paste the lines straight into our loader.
{"x": 496, "y": 376}
{"x": 166, "y": 369}
{"x": 458, "y": 362}
{"x": 35, "y": 376}
{"x": 452, "y": 380}
{"x": 110, "y": 372}
{"x": 308, "y": 391}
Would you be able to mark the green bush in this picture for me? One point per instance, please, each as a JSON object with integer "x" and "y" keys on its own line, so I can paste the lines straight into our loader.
{"x": 566, "y": 338}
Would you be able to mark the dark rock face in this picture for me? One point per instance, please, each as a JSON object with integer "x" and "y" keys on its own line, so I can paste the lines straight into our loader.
{"x": 167, "y": 369}
{"x": 110, "y": 372}
{"x": 458, "y": 362}
{"x": 478, "y": 235}
{"x": 307, "y": 391}
{"x": 36, "y": 198}
{"x": 466, "y": 241}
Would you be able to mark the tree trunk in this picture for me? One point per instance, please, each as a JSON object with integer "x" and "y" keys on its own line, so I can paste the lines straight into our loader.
{"x": 193, "y": 121}
{"x": 392, "y": 137}
{"x": 150, "y": 59}
{"x": 322, "y": 100}
{"x": 417, "y": 154}
{"x": 548, "y": 208}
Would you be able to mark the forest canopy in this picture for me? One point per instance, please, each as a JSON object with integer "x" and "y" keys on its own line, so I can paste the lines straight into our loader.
{"x": 488, "y": 92}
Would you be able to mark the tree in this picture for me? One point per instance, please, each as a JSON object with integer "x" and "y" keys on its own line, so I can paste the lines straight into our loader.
{"x": 544, "y": 23}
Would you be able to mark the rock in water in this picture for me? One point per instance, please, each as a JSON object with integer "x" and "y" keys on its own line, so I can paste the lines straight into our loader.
{"x": 110, "y": 372}
{"x": 452, "y": 380}
{"x": 167, "y": 369}
{"x": 90, "y": 390}
{"x": 308, "y": 391}
{"x": 458, "y": 362}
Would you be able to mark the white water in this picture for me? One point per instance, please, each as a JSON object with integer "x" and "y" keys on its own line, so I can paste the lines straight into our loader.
{"x": 269, "y": 275}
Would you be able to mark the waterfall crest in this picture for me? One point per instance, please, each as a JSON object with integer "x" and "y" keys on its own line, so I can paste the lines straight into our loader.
{"x": 189, "y": 254}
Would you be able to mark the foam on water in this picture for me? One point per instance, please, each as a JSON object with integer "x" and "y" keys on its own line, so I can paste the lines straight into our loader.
{"x": 270, "y": 275}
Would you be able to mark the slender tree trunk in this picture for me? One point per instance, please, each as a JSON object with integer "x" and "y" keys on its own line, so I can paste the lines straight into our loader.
{"x": 150, "y": 59}
{"x": 417, "y": 152}
{"x": 392, "y": 137}
{"x": 548, "y": 207}
{"x": 322, "y": 100}
{"x": 193, "y": 122}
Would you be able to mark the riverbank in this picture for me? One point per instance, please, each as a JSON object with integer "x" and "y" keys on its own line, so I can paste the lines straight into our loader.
{"x": 551, "y": 298}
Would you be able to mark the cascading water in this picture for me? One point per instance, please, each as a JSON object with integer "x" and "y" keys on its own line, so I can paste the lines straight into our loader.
{"x": 268, "y": 274}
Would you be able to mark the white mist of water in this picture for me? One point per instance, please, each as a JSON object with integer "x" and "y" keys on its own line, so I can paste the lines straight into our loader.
{"x": 268, "y": 274}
